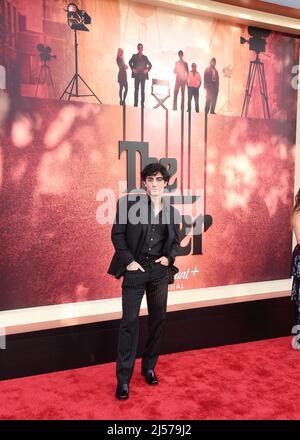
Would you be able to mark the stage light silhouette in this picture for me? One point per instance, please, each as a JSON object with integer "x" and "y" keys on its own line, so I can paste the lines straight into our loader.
{"x": 77, "y": 19}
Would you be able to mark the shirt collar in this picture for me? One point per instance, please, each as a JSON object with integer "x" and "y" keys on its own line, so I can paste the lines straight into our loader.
{"x": 162, "y": 200}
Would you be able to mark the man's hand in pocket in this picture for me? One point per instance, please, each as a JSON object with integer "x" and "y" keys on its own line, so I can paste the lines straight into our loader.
{"x": 134, "y": 265}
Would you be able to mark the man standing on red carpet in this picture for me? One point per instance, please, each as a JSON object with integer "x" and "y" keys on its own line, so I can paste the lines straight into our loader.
{"x": 145, "y": 236}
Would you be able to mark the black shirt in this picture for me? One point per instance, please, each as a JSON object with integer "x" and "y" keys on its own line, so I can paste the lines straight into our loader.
{"x": 156, "y": 236}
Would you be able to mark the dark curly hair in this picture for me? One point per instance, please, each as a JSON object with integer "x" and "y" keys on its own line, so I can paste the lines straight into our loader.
{"x": 152, "y": 169}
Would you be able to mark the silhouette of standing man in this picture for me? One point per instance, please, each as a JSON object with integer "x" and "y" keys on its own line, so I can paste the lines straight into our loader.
{"x": 140, "y": 66}
{"x": 194, "y": 83}
{"x": 181, "y": 70}
{"x": 211, "y": 84}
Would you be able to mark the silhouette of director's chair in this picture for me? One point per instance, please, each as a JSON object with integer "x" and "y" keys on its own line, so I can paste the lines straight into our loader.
{"x": 160, "y": 89}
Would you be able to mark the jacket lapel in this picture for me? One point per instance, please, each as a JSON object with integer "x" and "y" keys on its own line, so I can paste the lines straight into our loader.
{"x": 168, "y": 221}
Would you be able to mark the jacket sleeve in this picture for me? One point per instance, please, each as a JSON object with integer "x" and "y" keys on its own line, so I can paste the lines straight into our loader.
{"x": 206, "y": 78}
{"x": 149, "y": 65}
{"x": 174, "y": 251}
{"x": 118, "y": 234}
{"x": 131, "y": 62}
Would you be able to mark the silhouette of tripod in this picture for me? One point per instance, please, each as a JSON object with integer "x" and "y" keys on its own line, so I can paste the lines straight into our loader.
{"x": 256, "y": 66}
{"x": 75, "y": 80}
{"x": 45, "y": 78}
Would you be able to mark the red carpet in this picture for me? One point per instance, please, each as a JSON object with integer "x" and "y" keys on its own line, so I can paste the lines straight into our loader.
{"x": 257, "y": 380}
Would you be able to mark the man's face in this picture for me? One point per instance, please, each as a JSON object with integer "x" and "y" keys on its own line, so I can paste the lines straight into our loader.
{"x": 194, "y": 67}
{"x": 180, "y": 55}
{"x": 140, "y": 49}
{"x": 213, "y": 63}
{"x": 155, "y": 185}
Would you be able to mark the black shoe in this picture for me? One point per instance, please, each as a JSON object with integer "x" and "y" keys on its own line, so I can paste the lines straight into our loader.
{"x": 150, "y": 377}
{"x": 122, "y": 391}
{"x": 213, "y": 113}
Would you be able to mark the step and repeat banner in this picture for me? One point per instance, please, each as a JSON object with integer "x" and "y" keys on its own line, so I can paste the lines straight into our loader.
{"x": 64, "y": 164}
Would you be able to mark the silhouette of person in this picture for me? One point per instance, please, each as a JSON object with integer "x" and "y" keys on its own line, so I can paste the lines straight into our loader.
{"x": 211, "y": 85}
{"x": 181, "y": 70}
{"x": 194, "y": 83}
{"x": 122, "y": 76}
{"x": 140, "y": 66}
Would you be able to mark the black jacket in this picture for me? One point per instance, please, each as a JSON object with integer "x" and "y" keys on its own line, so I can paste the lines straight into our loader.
{"x": 140, "y": 64}
{"x": 128, "y": 238}
{"x": 209, "y": 84}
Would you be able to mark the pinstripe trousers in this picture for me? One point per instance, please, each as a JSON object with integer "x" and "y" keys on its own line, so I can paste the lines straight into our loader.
{"x": 154, "y": 281}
